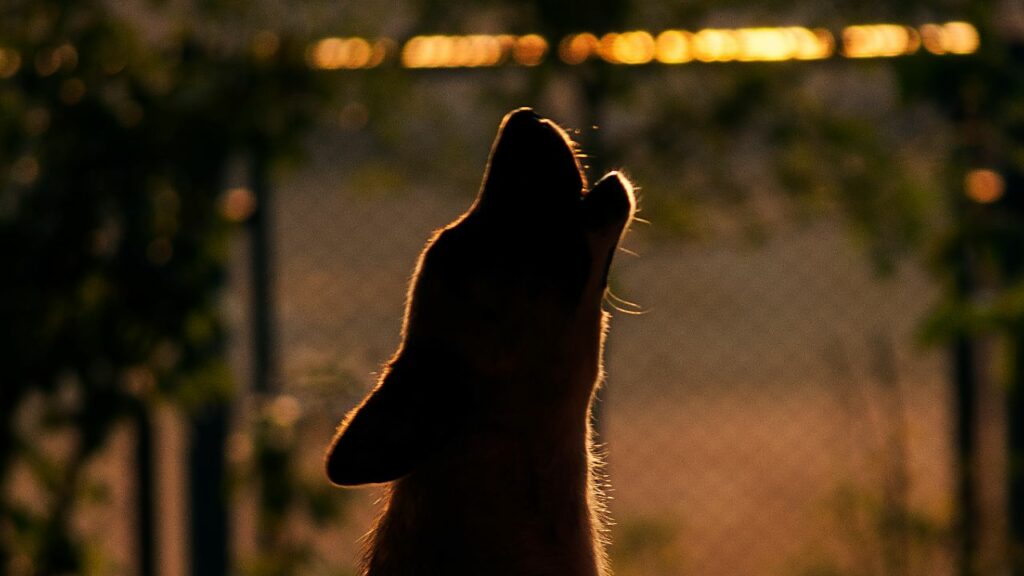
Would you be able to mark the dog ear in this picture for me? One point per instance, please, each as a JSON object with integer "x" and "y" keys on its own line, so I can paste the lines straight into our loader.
{"x": 607, "y": 211}
{"x": 402, "y": 422}
{"x": 609, "y": 206}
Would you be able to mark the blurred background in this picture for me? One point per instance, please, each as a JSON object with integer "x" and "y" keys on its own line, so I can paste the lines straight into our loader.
{"x": 209, "y": 212}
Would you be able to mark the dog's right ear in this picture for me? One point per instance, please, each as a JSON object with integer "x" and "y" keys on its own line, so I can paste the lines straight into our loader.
{"x": 402, "y": 422}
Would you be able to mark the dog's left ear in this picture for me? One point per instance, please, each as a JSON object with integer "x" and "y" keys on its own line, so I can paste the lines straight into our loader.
{"x": 406, "y": 418}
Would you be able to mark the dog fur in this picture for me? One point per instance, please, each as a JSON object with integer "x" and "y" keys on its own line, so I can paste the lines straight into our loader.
{"x": 481, "y": 420}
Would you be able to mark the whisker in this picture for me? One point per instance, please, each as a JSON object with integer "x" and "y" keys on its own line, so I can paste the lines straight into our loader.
{"x": 623, "y": 301}
{"x": 624, "y": 306}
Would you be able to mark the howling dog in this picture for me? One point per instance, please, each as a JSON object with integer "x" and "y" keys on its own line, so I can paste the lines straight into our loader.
{"x": 481, "y": 419}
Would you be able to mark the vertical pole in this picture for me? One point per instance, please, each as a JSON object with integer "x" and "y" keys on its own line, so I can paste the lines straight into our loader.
{"x": 272, "y": 462}
{"x": 209, "y": 521}
{"x": 207, "y": 493}
{"x": 260, "y": 231}
{"x": 144, "y": 491}
{"x": 964, "y": 385}
{"x": 1013, "y": 254}
{"x": 1015, "y": 450}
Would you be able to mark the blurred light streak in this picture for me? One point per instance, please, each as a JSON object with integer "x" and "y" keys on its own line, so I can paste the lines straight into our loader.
{"x": 716, "y": 45}
{"x": 951, "y": 38}
{"x": 530, "y": 50}
{"x": 336, "y": 53}
{"x": 635, "y": 47}
{"x": 880, "y": 41}
{"x": 984, "y": 186}
{"x": 638, "y": 47}
{"x": 473, "y": 51}
{"x": 674, "y": 47}
{"x": 577, "y": 48}
{"x": 707, "y": 45}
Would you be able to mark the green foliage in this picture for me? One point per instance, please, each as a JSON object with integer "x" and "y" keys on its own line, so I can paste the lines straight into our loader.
{"x": 289, "y": 496}
{"x": 116, "y": 129}
{"x": 876, "y": 537}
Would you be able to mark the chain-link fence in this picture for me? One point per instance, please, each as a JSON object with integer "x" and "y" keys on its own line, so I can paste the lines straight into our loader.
{"x": 769, "y": 411}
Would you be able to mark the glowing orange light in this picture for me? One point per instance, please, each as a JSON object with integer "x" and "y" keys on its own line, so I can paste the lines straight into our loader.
{"x": 577, "y": 48}
{"x": 716, "y": 45}
{"x": 471, "y": 51}
{"x": 382, "y": 48}
{"x": 637, "y": 47}
{"x": 413, "y": 52}
{"x": 237, "y": 204}
{"x": 879, "y": 41}
{"x": 984, "y": 186}
{"x": 763, "y": 44}
{"x": 606, "y": 47}
{"x": 813, "y": 44}
{"x": 760, "y": 44}
{"x": 481, "y": 50}
{"x": 933, "y": 38}
{"x": 530, "y": 50}
{"x": 673, "y": 47}
{"x": 342, "y": 53}
{"x": 951, "y": 38}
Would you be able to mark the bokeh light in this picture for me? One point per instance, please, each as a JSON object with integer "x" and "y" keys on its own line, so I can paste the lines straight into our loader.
{"x": 530, "y": 50}
{"x": 578, "y": 48}
{"x": 950, "y": 38}
{"x": 673, "y": 47}
{"x": 10, "y": 62}
{"x": 635, "y": 47}
{"x": 237, "y": 204}
{"x": 473, "y": 51}
{"x": 984, "y": 186}
{"x": 880, "y": 41}
{"x": 347, "y": 53}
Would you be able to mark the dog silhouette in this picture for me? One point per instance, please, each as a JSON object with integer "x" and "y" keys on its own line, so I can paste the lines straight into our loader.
{"x": 481, "y": 419}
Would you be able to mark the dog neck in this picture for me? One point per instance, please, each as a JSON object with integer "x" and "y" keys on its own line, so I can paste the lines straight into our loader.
{"x": 497, "y": 501}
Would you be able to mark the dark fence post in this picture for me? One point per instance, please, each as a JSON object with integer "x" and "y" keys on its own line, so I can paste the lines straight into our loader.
{"x": 207, "y": 489}
{"x": 261, "y": 263}
{"x": 144, "y": 492}
{"x": 272, "y": 464}
{"x": 964, "y": 387}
